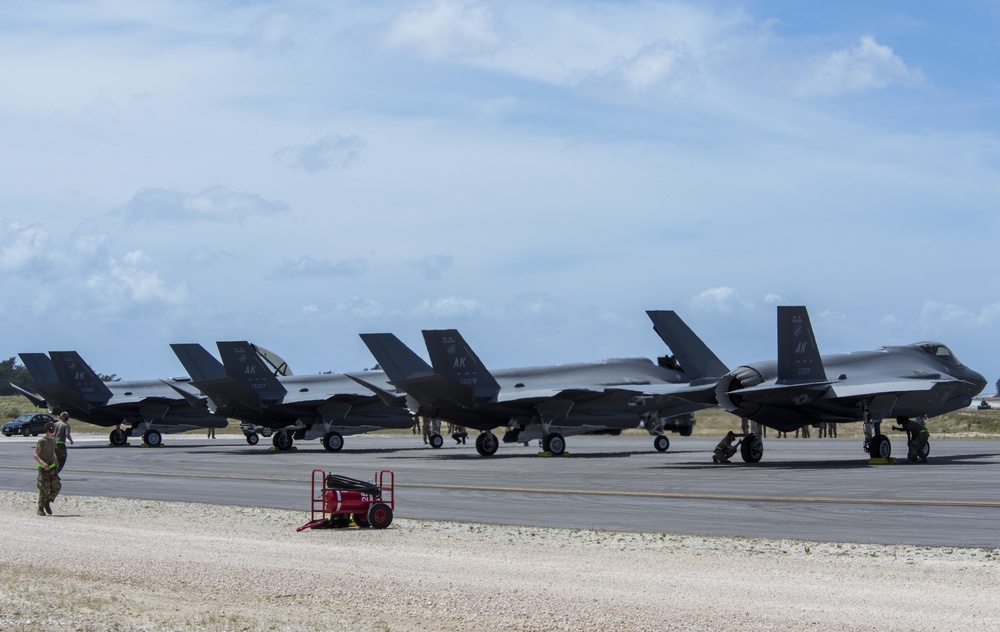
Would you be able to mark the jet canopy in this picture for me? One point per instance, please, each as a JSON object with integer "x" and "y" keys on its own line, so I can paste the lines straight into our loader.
{"x": 939, "y": 351}
{"x": 273, "y": 361}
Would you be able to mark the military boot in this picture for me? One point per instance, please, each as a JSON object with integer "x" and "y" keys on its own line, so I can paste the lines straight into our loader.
{"x": 41, "y": 510}
{"x": 48, "y": 507}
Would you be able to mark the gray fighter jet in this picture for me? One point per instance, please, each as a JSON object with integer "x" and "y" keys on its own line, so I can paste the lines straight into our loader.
{"x": 252, "y": 385}
{"x": 802, "y": 387}
{"x": 551, "y": 402}
{"x": 65, "y": 383}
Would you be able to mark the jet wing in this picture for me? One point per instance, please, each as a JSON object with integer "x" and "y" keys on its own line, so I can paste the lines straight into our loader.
{"x": 435, "y": 388}
{"x": 869, "y": 389}
{"x": 388, "y": 397}
{"x": 230, "y": 392}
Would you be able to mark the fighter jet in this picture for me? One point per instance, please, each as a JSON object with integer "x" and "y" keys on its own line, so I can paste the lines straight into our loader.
{"x": 65, "y": 383}
{"x": 550, "y": 402}
{"x": 802, "y": 387}
{"x": 249, "y": 388}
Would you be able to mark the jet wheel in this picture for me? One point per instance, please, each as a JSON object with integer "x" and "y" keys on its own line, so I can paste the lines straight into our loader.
{"x": 752, "y": 448}
{"x": 487, "y": 444}
{"x": 117, "y": 437}
{"x": 333, "y": 441}
{"x": 436, "y": 442}
{"x": 152, "y": 438}
{"x": 880, "y": 447}
{"x": 554, "y": 444}
{"x": 253, "y": 438}
{"x": 661, "y": 443}
{"x": 282, "y": 440}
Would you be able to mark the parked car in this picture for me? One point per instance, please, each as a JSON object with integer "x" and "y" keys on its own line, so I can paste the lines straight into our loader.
{"x": 30, "y": 424}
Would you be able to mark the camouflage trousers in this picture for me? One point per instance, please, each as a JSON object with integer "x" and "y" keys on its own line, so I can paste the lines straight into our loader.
{"x": 48, "y": 486}
{"x": 60, "y": 456}
{"x": 916, "y": 447}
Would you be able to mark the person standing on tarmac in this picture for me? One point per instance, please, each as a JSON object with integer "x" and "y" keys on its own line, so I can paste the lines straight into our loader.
{"x": 48, "y": 476}
{"x": 62, "y": 435}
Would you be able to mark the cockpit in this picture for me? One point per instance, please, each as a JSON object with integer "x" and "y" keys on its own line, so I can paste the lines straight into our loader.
{"x": 940, "y": 352}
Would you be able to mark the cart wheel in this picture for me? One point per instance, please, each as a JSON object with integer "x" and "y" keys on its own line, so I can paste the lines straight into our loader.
{"x": 661, "y": 443}
{"x": 380, "y": 515}
{"x": 253, "y": 438}
{"x": 361, "y": 520}
{"x": 437, "y": 441}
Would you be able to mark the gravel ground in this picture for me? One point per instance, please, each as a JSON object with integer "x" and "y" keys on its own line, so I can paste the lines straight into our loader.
{"x": 120, "y": 564}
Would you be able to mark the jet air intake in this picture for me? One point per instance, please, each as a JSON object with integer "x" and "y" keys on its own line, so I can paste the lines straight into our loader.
{"x": 727, "y": 391}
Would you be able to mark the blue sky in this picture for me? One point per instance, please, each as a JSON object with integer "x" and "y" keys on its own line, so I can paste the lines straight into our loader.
{"x": 536, "y": 175}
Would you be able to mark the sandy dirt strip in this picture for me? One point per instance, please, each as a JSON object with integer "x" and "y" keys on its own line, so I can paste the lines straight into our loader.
{"x": 121, "y": 564}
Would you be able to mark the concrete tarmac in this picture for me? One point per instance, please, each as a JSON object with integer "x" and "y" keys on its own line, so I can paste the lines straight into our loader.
{"x": 809, "y": 489}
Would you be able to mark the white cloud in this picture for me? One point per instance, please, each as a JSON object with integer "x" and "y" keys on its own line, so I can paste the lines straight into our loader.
{"x": 216, "y": 204}
{"x": 306, "y": 266}
{"x": 865, "y": 66}
{"x": 332, "y": 151}
{"x": 445, "y": 29}
{"x": 452, "y": 307}
{"x": 938, "y": 313}
{"x": 773, "y": 299}
{"x": 722, "y": 300}
{"x": 434, "y": 265}
{"x": 23, "y": 246}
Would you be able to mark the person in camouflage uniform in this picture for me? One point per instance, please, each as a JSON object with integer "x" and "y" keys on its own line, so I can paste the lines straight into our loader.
{"x": 48, "y": 474}
{"x": 62, "y": 435}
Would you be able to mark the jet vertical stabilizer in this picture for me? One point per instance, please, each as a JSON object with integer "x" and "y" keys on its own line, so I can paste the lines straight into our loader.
{"x": 77, "y": 374}
{"x": 696, "y": 359}
{"x": 410, "y": 373}
{"x": 452, "y": 357}
{"x": 798, "y": 356}
{"x": 242, "y": 363}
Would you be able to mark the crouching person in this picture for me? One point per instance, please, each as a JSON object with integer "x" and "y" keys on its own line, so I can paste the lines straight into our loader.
{"x": 725, "y": 449}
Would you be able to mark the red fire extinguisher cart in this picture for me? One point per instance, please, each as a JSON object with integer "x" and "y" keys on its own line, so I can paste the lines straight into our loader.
{"x": 339, "y": 500}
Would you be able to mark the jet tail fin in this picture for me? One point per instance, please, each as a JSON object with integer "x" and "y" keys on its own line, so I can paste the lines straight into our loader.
{"x": 453, "y": 358}
{"x": 397, "y": 360}
{"x": 242, "y": 363}
{"x": 208, "y": 375}
{"x": 40, "y": 367}
{"x": 798, "y": 356}
{"x": 77, "y": 374}
{"x": 694, "y": 356}
{"x": 198, "y": 362}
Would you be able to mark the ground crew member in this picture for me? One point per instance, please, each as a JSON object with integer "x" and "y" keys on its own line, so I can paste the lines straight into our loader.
{"x": 917, "y": 436}
{"x": 725, "y": 449}
{"x": 48, "y": 476}
{"x": 62, "y": 435}
{"x": 459, "y": 433}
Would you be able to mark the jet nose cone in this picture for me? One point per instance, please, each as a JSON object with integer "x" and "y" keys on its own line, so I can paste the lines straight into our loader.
{"x": 977, "y": 380}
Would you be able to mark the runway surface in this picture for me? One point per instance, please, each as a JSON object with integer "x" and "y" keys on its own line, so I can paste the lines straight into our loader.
{"x": 815, "y": 489}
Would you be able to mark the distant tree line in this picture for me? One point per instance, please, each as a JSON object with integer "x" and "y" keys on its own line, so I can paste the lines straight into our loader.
{"x": 12, "y": 373}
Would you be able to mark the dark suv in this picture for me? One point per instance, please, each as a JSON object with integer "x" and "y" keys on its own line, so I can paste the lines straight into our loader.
{"x": 30, "y": 424}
